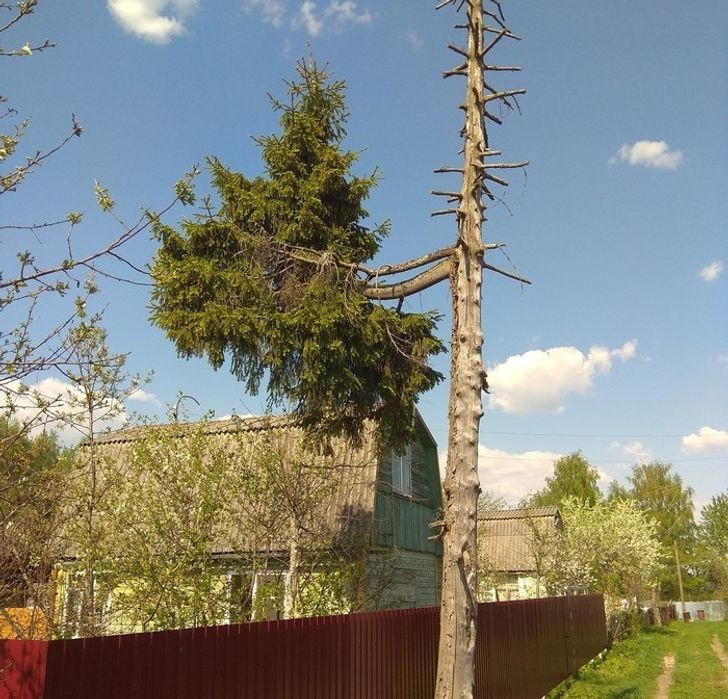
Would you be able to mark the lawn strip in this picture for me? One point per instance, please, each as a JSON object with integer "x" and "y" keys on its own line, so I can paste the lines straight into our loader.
{"x": 698, "y": 671}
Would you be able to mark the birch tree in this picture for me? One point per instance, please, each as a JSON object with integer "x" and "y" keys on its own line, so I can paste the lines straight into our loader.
{"x": 276, "y": 278}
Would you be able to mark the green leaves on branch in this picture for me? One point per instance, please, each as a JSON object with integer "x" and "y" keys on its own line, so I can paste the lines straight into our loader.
{"x": 268, "y": 282}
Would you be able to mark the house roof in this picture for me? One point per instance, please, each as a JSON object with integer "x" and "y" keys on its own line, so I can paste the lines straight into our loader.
{"x": 506, "y": 537}
{"x": 345, "y": 475}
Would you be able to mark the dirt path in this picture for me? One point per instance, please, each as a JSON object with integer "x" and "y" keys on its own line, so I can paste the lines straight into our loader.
{"x": 665, "y": 679}
{"x": 718, "y": 649}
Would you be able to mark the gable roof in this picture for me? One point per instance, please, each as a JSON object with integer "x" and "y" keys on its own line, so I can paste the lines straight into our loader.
{"x": 506, "y": 537}
{"x": 345, "y": 475}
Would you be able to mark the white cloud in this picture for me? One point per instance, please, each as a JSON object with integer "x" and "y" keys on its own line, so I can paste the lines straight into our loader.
{"x": 711, "y": 272}
{"x": 706, "y": 441}
{"x": 635, "y": 451}
{"x": 332, "y": 18}
{"x": 723, "y": 358}
{"x": 413, "y": 38}
{"x": 52, "y": 404}
{"x": 142, "y": 396}
{"x": 511, "y": 476}
{"x": 157, "y": 21}
{"x": 272, "y": 11}
{"x": 540, "y": 380}
{"x": 655, "y": 154}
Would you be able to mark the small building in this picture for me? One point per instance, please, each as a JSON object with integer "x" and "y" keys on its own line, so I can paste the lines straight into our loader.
{"x": 512, "y": 545}
{"x": 366, "y": 506}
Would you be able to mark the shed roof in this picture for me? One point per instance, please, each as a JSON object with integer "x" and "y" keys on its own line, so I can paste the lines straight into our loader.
{"x": 506, "y": 537}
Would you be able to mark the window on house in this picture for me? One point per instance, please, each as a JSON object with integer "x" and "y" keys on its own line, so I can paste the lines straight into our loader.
{"x": 402, "y": 471}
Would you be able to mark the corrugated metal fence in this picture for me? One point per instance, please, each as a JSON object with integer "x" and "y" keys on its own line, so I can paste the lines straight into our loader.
{"x": 524, "y": 649}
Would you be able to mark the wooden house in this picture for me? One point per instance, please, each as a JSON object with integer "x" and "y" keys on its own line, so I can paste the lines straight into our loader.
{"x": 302, "y": 511}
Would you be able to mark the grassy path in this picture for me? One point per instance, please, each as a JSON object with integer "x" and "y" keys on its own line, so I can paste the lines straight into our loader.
{"x": 683, "y": 661}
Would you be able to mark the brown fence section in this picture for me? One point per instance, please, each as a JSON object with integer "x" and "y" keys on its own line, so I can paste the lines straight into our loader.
{"x": 524, "y": 649}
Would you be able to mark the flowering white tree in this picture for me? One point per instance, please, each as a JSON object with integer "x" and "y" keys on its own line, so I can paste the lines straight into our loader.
{"x": 609, "y": 547}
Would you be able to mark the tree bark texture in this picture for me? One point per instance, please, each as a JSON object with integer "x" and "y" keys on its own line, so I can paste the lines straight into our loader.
{"x": 456, "y": 657}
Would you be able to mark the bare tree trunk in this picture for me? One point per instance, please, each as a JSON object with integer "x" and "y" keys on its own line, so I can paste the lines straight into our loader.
{"x": 458, "y": 617}
{"x": 290, "y": 593}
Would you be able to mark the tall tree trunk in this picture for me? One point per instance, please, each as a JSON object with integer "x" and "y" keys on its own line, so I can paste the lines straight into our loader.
{"x": 456, "y": 657}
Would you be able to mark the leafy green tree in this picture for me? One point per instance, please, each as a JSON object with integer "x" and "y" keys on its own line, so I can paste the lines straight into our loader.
{"x": 714, "y": 526}
{"x": 269, "y": 279}
{"x": 712, "y": 549}
{"x": 660, "y": 494}
{"x": 574, "y": 477}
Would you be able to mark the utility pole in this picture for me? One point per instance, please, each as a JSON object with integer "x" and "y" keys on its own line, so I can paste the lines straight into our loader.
{"x": 679, "y": 581}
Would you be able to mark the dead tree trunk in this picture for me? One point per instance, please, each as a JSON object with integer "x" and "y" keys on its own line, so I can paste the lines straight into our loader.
{"x": 456, "y": 656}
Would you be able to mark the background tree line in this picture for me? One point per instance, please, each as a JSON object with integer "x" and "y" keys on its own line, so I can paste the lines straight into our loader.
{"x": 654, "y": 509}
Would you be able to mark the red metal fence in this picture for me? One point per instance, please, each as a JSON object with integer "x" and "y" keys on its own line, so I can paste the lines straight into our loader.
{"x": 524, "y": 649}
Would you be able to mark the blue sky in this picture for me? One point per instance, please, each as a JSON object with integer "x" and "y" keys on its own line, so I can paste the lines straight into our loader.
{"x": 620, "y": 347}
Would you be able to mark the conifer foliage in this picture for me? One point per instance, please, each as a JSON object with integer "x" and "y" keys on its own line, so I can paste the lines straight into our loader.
{"x": 273, "y": 278}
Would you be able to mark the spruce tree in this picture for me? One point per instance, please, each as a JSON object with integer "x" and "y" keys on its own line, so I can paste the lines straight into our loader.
{"x": 274, "y": 280}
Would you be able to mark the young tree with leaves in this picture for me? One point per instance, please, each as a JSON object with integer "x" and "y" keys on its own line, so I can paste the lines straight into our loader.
{"x": 277, "y": 279}
{"x": 573, "y": 477}
{"x": 30, "y": 292}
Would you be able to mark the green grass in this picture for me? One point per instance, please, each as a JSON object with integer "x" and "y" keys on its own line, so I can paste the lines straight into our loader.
{"x": 631, "y": 668}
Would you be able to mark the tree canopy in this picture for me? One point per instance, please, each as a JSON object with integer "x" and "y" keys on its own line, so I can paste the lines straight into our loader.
{"x": 660, "y": 494}
{"x": 574, "y": 477}
{"x": 269, "y": 279}
{"x": 714, "y": 527}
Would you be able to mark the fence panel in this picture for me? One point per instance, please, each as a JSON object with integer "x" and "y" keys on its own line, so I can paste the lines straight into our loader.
{"x": 524, "y": 649}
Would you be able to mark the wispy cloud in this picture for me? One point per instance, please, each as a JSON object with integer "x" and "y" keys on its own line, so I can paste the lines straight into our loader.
{"x": 711, "y": 272}
{"x": 540, "y": 380}
{"x": 156, "y": 21}
{"x": 414, "y": 39}
{"x": 707, "y": 441}
{"x": 332, "y": 18}
{"x": 634, "y": 451}
{"x": 654, "y": 154}
{"x": 272, "y": 11}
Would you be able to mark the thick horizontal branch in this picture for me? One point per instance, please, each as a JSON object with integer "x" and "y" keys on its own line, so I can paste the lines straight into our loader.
{"x": 425, "y": 280}
{"x": 314, "y": 257}
{"x": 413, "y": 263}
{"x": 441, "y": 170}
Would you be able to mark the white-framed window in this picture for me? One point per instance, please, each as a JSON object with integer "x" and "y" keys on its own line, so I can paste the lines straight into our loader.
{"x": 402, "y": 471}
